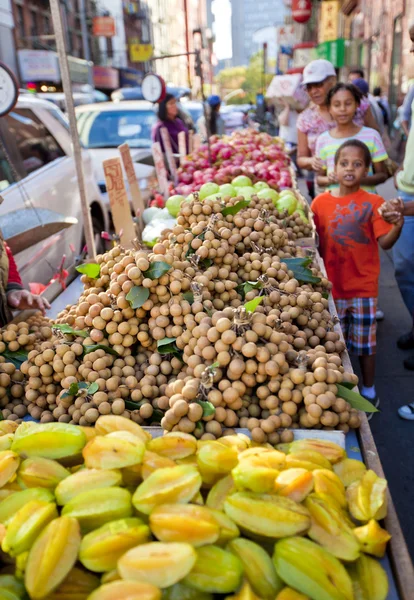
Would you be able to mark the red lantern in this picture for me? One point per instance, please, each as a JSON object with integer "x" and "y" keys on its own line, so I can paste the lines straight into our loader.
{"x": 301, "y": 10}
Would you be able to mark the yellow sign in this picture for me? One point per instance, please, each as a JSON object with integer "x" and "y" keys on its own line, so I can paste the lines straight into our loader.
{"x": 140, "y": 52}
{"x": 329, "y": 21}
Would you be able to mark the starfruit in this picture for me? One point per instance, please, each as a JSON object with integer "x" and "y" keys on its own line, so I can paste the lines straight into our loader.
{"x": 174, "y": 445}
{"x": 295, "y": 484}
{"x": 245, "y": 593}
{"x": 76, "y": 586}
{"x": 258, "y": 568}
{"x": 307, "y": 459}
{"x": 7, "y": 427}
{"x": 367, "y": 498}
{"x": 26, "y": 525}
{"x": 216, "y": 571}
{"x": 247, "y": 476}
{"x": 101, "y": 549}
{"x": 158, "y": 563}
{"x": 218, "y": 493}
{"x": 152, "y": 461}
{"x": 95, "y": 508}
{"x": 267, "y": 515}
{"x": 290, "y": 594}
{"x": 86, "y": 480}
{"x": 228, "y": 530}
{"x": 126, "y": 590}
{"x": 184, "y": 523}
{"x": 40, "y": 472}
{"x": 13, "y": 503}
{"x": 327, "y": 482}
{"x": 48, "y": 440}
{"x": 372, "y": 538}
{"x": 239, "y": 441}
{"x": 311, "y": 570}
{"x": 111, "y": 423}
{"x": 6, "y": 441}
{"x": 284, "y": 447}
{"x": 9, "y": 463}
{"x": 333, "y": 452}
{"x": 350, "y": 470}
{"x": 90, "y": 432}
{"x": 167, "y": 486}
{"x": 369, "y": 580}
{"x": 329, "y": 529}
{"x": 52, "y": 556}
{"x": 270, "y": 458}
{"x": 215, "y": 461}
{"x": 113, "y": 451}
{"x": 179, "y": 591}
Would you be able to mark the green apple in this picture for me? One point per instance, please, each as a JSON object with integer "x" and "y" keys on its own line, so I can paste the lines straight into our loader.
{"x": 217, "y": 196}
{"x": 241, "y": 181}
{"x": 288, "y": 203}
{"x": 287, "y": 193}
{"x": 261, "y": 185}
{"x": 173, "y": 204}
{"x": 228, "y": 190}
{"x": 247, "y": 192}
{"x": 208, "y": 189}
{"x": 268, "y": 194}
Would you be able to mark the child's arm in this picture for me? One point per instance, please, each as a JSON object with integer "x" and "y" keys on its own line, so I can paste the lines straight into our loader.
{"x": 380, "y": 175}
{"x": 388, "y": 240}
{"x": 325, "y": 180}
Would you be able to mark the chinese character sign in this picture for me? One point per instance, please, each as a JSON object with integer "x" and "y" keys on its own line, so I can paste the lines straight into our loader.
{"x": 328, "y": 26}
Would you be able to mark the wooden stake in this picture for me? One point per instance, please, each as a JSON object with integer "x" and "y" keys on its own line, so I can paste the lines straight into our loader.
{"x": 55, "y": 8}
{"x": 182, "y": 145}
{"x": 190, "y": 141}
{"x": 119, "y": 201}
{"x": 137, "y": 201}
{"x": 196, "y": 142}
{"x": 160, "y": 169}
{"x": 169, "y": 153}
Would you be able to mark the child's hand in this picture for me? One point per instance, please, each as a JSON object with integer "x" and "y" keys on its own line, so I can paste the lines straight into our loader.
{"x": 317, "y": 164}
{"x": 332, "y": 178}
{"x": 392, "y": 211}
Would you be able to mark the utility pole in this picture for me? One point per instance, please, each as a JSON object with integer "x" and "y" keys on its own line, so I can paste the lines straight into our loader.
{"x": 187, "y": 43}
{"x": 85, "y": 38}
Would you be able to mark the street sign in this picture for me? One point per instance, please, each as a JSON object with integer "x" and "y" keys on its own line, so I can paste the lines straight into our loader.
{"x": 140, "y": 52}
{"x": 301, "y": 10}
{"x": 119, "y": 202}
{"x": 103, "y": 27}
{"x": 334, "y": 51}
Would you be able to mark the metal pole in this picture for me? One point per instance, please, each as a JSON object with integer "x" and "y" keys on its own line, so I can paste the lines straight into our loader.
{"x": 77, "y": 150}
{"x": 187, "y": 43}
{"x": 85, "y": 39}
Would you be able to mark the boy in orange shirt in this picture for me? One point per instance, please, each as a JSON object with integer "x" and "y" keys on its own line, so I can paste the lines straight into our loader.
{"x": 350, "y": 229}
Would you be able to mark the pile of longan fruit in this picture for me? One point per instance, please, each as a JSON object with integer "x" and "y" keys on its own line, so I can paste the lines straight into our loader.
{"x": 25, "y": 334}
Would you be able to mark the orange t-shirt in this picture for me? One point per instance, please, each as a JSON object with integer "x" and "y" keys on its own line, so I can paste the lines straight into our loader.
{"x": 348, "y": 228}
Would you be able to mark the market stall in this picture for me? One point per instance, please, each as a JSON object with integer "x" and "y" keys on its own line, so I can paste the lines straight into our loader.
{"x": 205, "y": 386}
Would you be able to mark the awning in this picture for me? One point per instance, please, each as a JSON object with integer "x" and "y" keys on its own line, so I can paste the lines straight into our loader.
{"x": 348, "y": 6}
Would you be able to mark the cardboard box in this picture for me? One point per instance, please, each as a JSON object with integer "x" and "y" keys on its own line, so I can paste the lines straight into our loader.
{"x": 289, "y": 88}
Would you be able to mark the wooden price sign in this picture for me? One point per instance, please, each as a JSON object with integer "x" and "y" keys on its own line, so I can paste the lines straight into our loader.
{"x": 190, "y": 141}
{"x": 182, "y": 145}
{"x": 119, "y": 202}
{"x": 137, "y": 201}
{"x": 160, "y": 169}
{"x": 169, "y": 153}
{"x": 196, "y": 142}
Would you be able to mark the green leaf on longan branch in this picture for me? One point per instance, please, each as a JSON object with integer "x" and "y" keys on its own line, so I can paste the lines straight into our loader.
{"x": 156, "y": 417}
{"x": 16, "y": 358}
{"x": 93, "y": 388}
{"x": 251, "y": 306}
{"x": 252, "y": 285}
{"x": 157, "y": 269}
{"x": 167, "y": 346}
{"x": 1, "y": 416}
{"x": 137, "y": 296}
{"x": 189, "y": 296}
{"x": 208, "y": 408}
{"x": 94, "y": 347}
{"x": 355, "y": 400}
{"x": 68, "y": 330}
{"x": 91, "y": 270}
{"x": 300, "y": 269}
{"x": 235, "y": 208}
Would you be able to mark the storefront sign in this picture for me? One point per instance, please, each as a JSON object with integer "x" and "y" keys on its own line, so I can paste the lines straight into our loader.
{"x": 140, "y": 52}
{"x": 106, "y": 78}
{"x": 303, "y": 54}
{"x": 130, "y": 77}
{"x": 79, "y": 70}
{"x": 38, "y": 65}
{"x": 286, "y": 35}
{"x": 301, "y": 10}
{"x": 334, "y": 51}
{"x": 103, "y": 26}
{"x": 328, "y": 24}
{"x": 118, "y": 200}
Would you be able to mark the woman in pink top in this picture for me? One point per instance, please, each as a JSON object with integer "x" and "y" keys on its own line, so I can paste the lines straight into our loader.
{"x": 319, "y": 77}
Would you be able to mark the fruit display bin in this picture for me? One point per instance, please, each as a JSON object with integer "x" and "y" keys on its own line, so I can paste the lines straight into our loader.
{"x": 360, "y": 445}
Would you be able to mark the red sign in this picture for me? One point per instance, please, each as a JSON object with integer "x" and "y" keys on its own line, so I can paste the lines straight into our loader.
{"x": 103, "y": 26}
{"x": 301, "y": 10}
{"x": 106, "y": 78}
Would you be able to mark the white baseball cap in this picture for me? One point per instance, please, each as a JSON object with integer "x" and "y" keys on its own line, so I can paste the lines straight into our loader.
{"x": 317, "y": 71}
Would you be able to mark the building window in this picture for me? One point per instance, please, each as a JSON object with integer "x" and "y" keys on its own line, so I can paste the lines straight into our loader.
{"x": 20, "y": 21}
{"x": 46, "y": 25}
{"x": 33, "y": 24}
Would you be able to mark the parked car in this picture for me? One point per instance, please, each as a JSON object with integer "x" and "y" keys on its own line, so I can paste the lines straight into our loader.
{"x": 79, "y": 98}
{"x": 194, "y": 108}
{"x": 105, "y": 126}
{"x": 39, "y": 190}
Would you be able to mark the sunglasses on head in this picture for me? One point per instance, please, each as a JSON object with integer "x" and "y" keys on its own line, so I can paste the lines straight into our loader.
{"x": 316, "y": 84}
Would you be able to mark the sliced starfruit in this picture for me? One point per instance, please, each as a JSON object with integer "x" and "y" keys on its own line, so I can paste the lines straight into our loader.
{"x": 372, "y": 538}
{"x": 40, "y": 472}
{"x": 219, "y": 492}
{"x": 327, "y": 482}
{"x": 26, "y": 525}
{"x": 333, "y": 452}
{"x": 184, "y": 523}
{"x": 13, "y": 503}
{"x": 215, "y": 461}
{"x": 9, "y": 463}
{"x": 175, "y": 445}
{"x": 216, "y": 571}
{"x": 295, "y": 484}
{"x": 113, "y": 451}
{"x": 86, "y": 480}
{"x": 367, "y": 498}
{"x": 152, "y": 461}
{"x": 111, "y": 423}
{"x": 48, "y": 440}
{"x": 369, "y": 580}
{"x": 307, "y": 459}
{"x": 95, "y": 508}
{"x": 126, "y": 590}
{"x": 350, "y": 470}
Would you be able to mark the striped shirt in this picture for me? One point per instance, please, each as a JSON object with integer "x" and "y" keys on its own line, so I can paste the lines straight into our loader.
{"x": 326, "y": 147}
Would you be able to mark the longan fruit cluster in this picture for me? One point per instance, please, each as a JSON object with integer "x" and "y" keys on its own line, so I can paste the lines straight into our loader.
{"x": 25, "y": 334}
{"x": 13, "y": 404}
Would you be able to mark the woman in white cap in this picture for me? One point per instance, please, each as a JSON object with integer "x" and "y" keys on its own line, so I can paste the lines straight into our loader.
{"x": 319, "y": 76}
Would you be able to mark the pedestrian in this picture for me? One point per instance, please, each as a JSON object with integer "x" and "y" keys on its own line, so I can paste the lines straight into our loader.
{"x": 384, "y": 105}
{"x": 343, "y": 102}
{"x": 355, "y": 73}
{"x": 215, "y": 121}
{"x": 363, "y": 87}
{"x": 319, "y": 77}
{"x": 350, "y": 230}
{"x": 13, "y": 296}
{"x": 167, "y": 117}
{"x": 287, "y": 126}
{"x": 407, "y": 111}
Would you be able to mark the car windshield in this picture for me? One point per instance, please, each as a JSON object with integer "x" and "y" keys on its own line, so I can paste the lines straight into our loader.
{"x": 110, "y": 129}
{"x": 195, "y": 111}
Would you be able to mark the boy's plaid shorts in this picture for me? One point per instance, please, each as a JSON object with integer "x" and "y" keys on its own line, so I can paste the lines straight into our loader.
{"x": 359, "y": 324}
